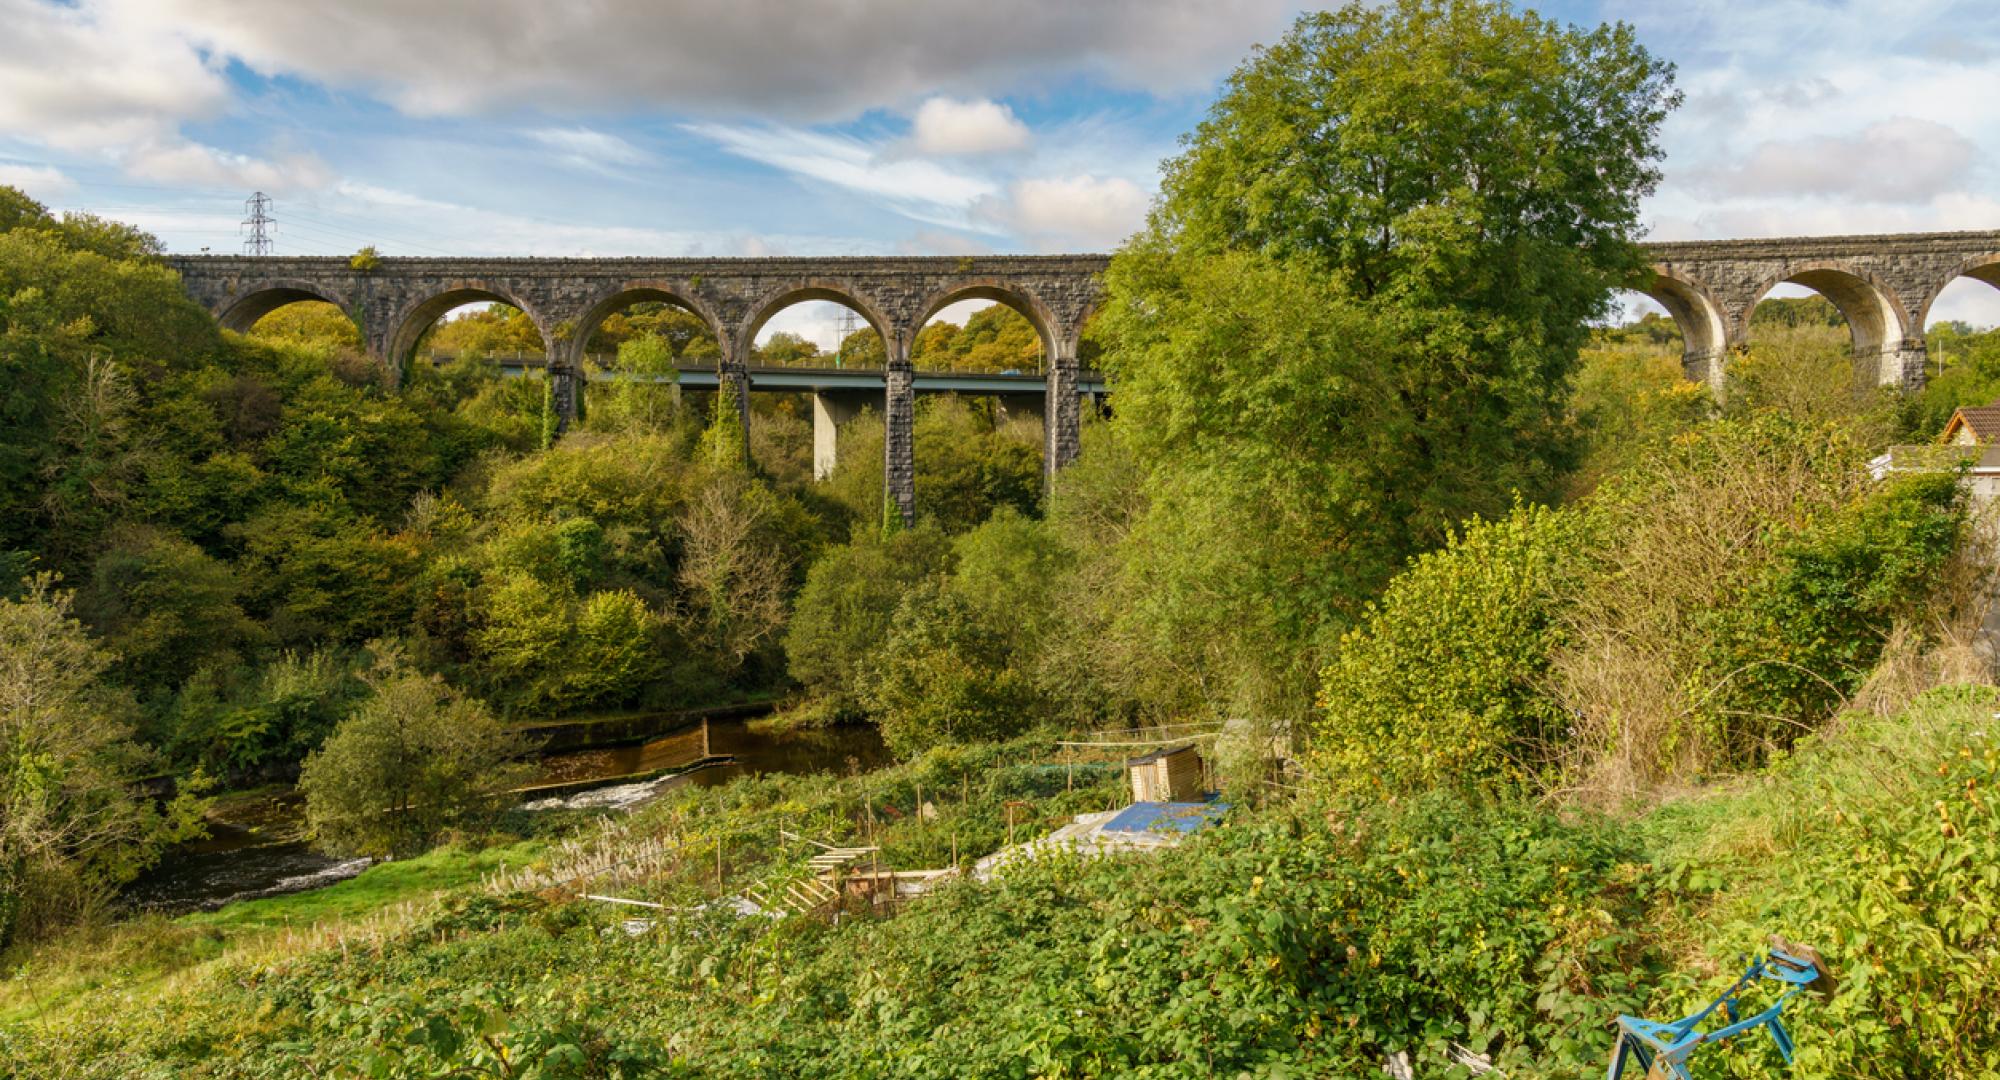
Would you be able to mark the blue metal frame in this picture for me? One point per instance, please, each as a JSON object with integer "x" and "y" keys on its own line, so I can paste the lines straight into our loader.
{"x": 1645, "y": 1042}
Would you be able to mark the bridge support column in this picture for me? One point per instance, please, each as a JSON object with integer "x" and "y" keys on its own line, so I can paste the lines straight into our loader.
{"x": 1903, "y": 365}
{"x": 830, "y": 410}
{"x": 899, "y": 447}
{"x": 565, "y": 396}
{"x": 380, "y": 343}
{"x": 1062, "y": 417}
{"x": 1708, "y": 369}
{"x": 731, "y": 375}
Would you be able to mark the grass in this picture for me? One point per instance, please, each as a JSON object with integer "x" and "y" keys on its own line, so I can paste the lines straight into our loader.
{"x": 150, "y": 955}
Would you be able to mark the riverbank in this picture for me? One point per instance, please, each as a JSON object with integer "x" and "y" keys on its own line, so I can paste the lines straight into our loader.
{"x": 158, "y": 955}
{"x": 1326, "y": 936}
{"x": 257, "y": 845}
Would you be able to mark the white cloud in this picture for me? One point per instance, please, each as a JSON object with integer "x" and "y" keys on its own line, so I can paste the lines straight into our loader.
{"x": 72, "y": 78}
{"x": 1078, "y": 213}
{"x": 762, "y": 57}
{"x": 194, "y": 165}
{"x": 922, "y": 190}
{"x": 1800, "y": 113}
{"x": 589, "y": 149}
{"x": 944, "y": 126}
{"x": 39, "y": 181}
{"x": 1968, "y": 301}
{"x": 405, "y": 224}
{"x": 76, "y": 79}
{"x": 942, "y": 242}
{"x": 1901, "y": 159}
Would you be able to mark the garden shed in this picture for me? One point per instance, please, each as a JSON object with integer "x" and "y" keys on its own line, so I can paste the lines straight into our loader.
{"x": 1170, "y": 775}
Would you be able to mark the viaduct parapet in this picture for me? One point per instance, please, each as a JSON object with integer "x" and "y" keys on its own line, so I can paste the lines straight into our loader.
{"x": 1884, "y": 285}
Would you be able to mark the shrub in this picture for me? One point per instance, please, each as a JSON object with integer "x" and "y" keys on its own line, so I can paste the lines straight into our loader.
{"x": 844, "y": 613}
{"x": 1443, "y": 683}
{"x": 1876, "y": 844}
{"x": 1808, "y": 631}
{"x": 415, "y": 758}
{"x": 71, "y": 821}
{"x": 942, "y": 677}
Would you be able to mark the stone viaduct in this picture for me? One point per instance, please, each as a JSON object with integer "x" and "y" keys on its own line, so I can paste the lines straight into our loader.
{"x": 1884, "y": 285}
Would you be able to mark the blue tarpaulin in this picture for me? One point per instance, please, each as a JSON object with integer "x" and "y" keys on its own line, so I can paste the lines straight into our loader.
{"x": 1183, "y": 817}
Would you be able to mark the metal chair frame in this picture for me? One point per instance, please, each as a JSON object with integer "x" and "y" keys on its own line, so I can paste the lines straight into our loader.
{"x": 1664, "y": 1049}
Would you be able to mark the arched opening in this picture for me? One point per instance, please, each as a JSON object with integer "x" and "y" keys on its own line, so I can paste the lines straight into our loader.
{"x": 980, "y": 430}
{"x": 254, "y": 307}
{"x": 470, "y": 323}
{"x": 1638, "y": 382}
{"x": 1814, "y": 345}
{"x": 308, "y": 322}
{"x": 486, "y": 355}
{"x": 635, "y": 344}
{"x": 807, "y": 347}
{"x": 1962, "y": 346}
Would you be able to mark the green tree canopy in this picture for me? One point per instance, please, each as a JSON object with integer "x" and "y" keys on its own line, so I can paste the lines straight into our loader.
{"x": 1353, "y": 320}
{"x": 415, "y": 758}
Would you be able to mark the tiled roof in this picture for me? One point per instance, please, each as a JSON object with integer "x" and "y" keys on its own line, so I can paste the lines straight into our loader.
{"x": 1984, "y": 420}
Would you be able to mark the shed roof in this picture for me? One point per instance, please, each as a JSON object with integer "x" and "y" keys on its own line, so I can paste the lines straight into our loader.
{"x": 1186, "y": 817}
{"x": 1158, "y": 754}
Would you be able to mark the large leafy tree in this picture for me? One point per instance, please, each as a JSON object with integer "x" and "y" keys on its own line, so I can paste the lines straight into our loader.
{"x": 1354, "y": 316}
{"x": 415, "y": 758}
{"x": 71, "y": 820}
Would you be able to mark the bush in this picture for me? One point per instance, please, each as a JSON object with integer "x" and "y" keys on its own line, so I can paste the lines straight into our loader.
{"x": 72, "y": 823}
{"x": 1444, "y": 682}
{"x": 1808, "y": 631}
{"x": 843, "y": 615}
{"x": 415, "y": 758}
{"x": 241, "y": 723}
{"x": 942, "y": 677}
{"x": 1874, "y": 843}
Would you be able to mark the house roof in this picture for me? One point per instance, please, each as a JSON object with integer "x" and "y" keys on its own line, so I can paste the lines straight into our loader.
{"x": 1984, "y": 420}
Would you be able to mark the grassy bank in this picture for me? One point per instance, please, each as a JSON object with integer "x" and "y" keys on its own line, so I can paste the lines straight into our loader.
{"x": 1300, "y": 938}
{"x": 155, "y": 956}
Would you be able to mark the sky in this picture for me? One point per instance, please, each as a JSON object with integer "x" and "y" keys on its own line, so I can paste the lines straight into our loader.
{"x": 817, "y": 127}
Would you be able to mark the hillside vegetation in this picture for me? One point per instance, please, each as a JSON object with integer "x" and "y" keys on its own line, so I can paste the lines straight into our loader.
{"x": 1591, "y": 681}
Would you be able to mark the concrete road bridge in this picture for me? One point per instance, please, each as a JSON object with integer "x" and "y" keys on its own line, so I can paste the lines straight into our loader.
{"x": 1884, "y": 285}
{"x": 838, "y": 393}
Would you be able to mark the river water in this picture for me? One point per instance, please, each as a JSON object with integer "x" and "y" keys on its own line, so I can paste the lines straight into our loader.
{"x": 256, "y": 846}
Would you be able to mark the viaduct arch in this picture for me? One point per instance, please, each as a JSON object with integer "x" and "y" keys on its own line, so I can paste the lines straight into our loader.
{"x": 1884, "y": 285}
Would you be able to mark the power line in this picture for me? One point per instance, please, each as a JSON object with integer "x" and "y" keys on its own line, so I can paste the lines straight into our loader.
{"x": 259, "y": 221}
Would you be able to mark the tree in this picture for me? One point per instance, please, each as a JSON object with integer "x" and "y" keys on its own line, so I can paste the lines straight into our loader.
{"x": 615, "y": 650}
{"x": 733, "y": 574}
{"x": 72, "y": 822}
{"x": 313, "y": 323}
{"x": 417, "y": 757}
{"x": 785, "y": 347}
{"x": 942, "y": 676}
{"x": 844, "y": 612}
{"x": 1352, "y": 321}
{"x": 724, "y": 444}
{"x": 164, "y": 607}
{"x": 863, "y": 349}
{"x": 645, "y": 397}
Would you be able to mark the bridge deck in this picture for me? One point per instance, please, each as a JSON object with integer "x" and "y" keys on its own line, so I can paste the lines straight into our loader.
{"x": 803, "y": 379}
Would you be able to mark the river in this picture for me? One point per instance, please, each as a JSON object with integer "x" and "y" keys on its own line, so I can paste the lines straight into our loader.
{"x": 256, "y": 845}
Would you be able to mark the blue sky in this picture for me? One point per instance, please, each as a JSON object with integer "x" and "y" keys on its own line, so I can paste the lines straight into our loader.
{"x": 879, "y": 126}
